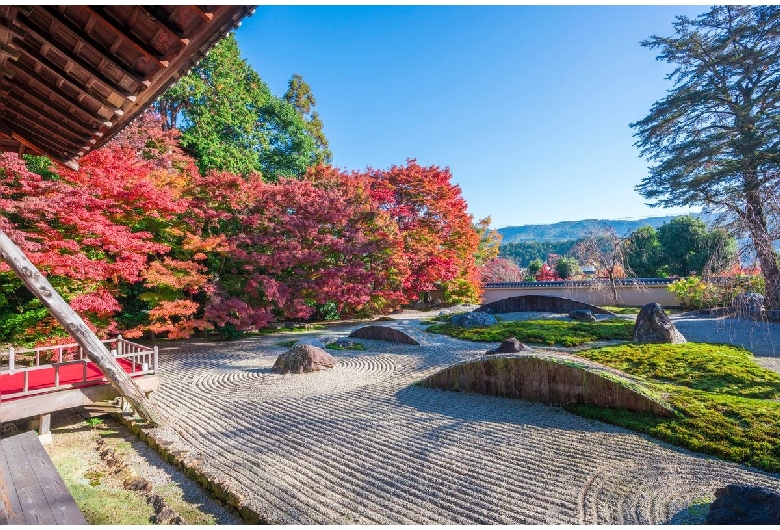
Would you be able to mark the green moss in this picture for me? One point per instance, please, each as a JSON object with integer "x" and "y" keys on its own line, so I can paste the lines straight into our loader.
{"x": 100, "y": 504}
{"x": 335, "y": 346}
{"x": 727, "y": 404}
{"x": 287, "y": 343}
{"x": 550, "y": 332}
{"x": 622, "y": 310}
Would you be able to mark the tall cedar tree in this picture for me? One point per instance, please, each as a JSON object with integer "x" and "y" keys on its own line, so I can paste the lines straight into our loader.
{"x": 231, "y": 122}
{"x": 299, "y": 95}
{"x": 714, "y": 140}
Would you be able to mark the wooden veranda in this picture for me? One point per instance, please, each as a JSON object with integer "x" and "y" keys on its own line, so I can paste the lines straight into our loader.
{"x": 71, "y": 78}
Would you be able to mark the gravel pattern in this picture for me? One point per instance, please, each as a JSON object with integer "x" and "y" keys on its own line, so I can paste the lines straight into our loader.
{"x": 361, "y": 444}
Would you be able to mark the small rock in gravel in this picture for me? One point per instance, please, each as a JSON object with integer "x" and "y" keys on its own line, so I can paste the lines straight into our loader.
{"x": 582, "y": 315}
{"x": 138, "y": 484}
{"x": 473, "y": 320}
{"x": 510, "y": 345}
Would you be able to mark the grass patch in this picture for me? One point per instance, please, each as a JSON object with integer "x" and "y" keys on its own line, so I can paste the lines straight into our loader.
{"x": 622, "y": 310}
{"x": 99, "y": 503}
{"x": 549, "y": 332}
{"x": 287, "y": 343}
{"x": 727, "y": 405}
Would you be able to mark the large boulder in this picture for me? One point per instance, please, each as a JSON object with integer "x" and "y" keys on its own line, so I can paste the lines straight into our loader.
{"x": 383, "y": 333}
{"x": 748, "y": 305}
{"x": 737, "y": 504}
{"x": 653, "y": 326}
{"x": 303, "y": 358}
{"x": 510, "y": 345}
{"x": 475, "y": 319}
{"x": 582, "y": 315}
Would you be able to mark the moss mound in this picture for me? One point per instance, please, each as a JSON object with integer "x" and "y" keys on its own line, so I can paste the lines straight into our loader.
{"x": 727, "y": 405}
{"x": 549, "y": 332}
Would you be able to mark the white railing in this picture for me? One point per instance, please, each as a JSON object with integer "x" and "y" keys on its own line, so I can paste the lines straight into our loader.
{"x": 142, "y": 360}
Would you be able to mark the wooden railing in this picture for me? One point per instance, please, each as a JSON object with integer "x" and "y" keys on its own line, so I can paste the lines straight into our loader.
{"x": 139, "y": 360}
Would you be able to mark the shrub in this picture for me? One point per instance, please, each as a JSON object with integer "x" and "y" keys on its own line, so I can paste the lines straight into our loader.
{"x": 697, "y": 293}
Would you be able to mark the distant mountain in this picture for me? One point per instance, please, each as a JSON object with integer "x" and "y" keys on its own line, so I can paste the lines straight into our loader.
{"x": 570, "y": 230}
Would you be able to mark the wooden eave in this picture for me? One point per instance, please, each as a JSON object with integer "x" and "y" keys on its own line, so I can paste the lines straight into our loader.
{"x": 71, "y": 77}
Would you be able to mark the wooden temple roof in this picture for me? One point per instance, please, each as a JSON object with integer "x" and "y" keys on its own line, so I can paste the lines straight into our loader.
{"x": 71, "y": 77}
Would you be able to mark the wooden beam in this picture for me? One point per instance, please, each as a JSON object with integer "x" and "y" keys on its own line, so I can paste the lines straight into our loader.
{"x": 34, "y": 405}
{"x": 90, "y": 69}
{"x": 40, "y": 58}
{"x": 127, "y": 35}
{"x": 203, "y": 12}
{"x": 75, "y": 326}
{"x": 29, "y": 97}
{"x": 59, "y": 97}
{"x": 29, "y": 120}
{"x": 105, "y": 110}
{"x": 158, "y": 14}
{"x": 88, "y": 42}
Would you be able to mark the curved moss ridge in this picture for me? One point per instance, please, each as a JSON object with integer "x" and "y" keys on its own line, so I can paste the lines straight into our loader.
{"x": 548, "y": 332}
{"x": 554, "y": 379}
{"x": 727, "y": 404}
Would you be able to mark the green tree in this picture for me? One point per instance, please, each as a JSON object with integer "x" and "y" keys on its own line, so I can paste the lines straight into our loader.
{"x": 683, "y": 240}
{"x": 534, "y": 267}
{"x": 714, "y": 140}
{"x": 299, "y": 95}
{"x": 231, "y": 122}
{"x": 489, "y": 241}
{"x": 688, "y": 247}
{"x": 644, "y": 253}
{"x": 567, "y": 267}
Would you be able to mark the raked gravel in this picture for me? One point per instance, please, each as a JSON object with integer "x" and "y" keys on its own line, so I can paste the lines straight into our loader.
{"x": 361, "y": 444}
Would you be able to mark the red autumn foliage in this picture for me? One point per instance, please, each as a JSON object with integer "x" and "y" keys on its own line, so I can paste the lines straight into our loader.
{"x": 438, "y": 234}
{"x": 499, "y": 270}
{"x": 138, "y": 235}
{"x": 547, "y": 274}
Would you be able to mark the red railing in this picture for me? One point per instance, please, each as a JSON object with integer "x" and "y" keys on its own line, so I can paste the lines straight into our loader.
{"x": 22, "y": 373}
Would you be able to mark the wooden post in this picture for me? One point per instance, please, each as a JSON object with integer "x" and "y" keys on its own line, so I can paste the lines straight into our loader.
{"x": 75, "y": 326}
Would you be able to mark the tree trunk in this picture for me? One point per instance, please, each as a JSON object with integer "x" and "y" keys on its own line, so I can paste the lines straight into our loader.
{"x": 762, "y": 243}
{"x": 75, "y": 326}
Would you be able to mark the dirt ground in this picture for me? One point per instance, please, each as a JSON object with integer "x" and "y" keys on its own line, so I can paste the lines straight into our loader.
{"x": 116, "y": 478}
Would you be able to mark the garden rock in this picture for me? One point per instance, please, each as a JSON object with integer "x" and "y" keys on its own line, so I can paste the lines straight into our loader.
{"x": 383, "y": 333}
{"x": 737, "y": 504}
{"x": 748, "y": 305}
{"x": 510, "y": 345}
{"x": 582, "y": 315}
{"x": 303, "y": 358}
{"x": 653, "y": 326}
{"x": 473, "y": 320}
{"x": 311, "y": 341}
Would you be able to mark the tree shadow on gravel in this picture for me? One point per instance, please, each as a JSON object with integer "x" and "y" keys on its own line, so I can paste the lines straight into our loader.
{"x": 466, "y": 407}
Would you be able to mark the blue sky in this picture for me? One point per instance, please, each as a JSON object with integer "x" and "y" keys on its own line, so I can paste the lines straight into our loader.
{"x": 529, "y": 106}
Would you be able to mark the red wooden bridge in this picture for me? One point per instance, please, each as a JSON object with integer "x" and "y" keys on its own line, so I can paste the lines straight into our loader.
{"x": 39, "y": 381}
